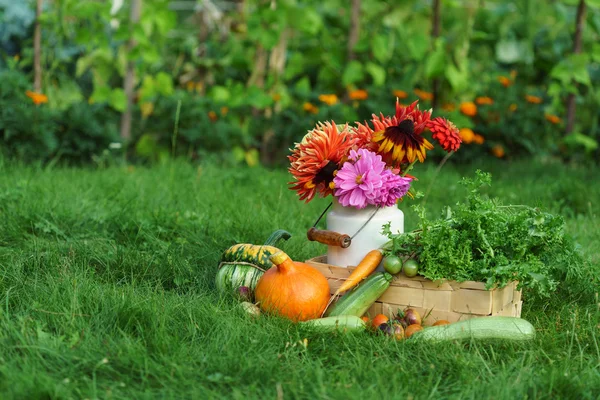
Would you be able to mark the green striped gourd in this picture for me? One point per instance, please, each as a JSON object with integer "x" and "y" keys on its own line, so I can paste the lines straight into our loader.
{"x": 243, "y": 264}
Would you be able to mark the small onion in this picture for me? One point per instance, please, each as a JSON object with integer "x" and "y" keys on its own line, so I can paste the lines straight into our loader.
{"x": 392, "y": 329}
{"x": 386, "y": 328}
{"x": 244, "y": 293}
{"x": 411, "y": 316}
{"x": 398, "y": 331}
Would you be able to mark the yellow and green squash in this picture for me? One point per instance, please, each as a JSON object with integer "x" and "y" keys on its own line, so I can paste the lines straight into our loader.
{"x": 243, "y": 264}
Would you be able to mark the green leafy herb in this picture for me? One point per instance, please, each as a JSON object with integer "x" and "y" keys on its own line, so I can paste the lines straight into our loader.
{"x": 482, "y": 240}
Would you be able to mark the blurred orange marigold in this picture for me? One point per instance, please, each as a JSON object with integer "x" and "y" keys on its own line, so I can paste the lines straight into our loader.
{"x": 498, "y": 151}
{"x": 423, "y": 95}
{"x": 37, "y": 98}
{"x": 553, "y": 118}
{"x": 484, "y": 100}
{"x": 468, "y": 108}
{"x": 213, "y": 116}
{"x": 329, "y": 99}
{"x": 467, "y": 135}
{"x": 506, "y": 82}
{"x": 401, "y": 94}
{"x": 358, "y": 94}
{"x": 533, "y": 99}
{"x": 478, "y": 139}
{"x": 449, "y": 107}
{"x": 310, "y": 108}
{"x": 512, "y": 107}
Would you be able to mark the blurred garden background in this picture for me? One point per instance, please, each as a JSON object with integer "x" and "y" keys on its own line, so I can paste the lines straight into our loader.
{"x": 139, "y": 139}
{"x": 101, "y": 81}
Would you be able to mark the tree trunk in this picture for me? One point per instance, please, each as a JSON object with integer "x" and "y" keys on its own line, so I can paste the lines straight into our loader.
{"x": 37, "y": 49}
{"x": 129, "y": 82}
{"x": 435, "y": 33}
{"x": 354, "y": 33}
{"x": 580, "y": 19}
{"x": 276, "y": 69}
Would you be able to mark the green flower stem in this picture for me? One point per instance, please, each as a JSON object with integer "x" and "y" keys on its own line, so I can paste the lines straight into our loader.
{"x": 410, "y": 166}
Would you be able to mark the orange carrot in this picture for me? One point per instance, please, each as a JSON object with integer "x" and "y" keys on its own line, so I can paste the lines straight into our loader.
{"x": 364, "y": 268}
{"x": 368, "y": 264}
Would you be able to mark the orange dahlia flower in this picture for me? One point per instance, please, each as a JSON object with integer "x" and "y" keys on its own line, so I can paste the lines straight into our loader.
{"x": 316, "y": 159}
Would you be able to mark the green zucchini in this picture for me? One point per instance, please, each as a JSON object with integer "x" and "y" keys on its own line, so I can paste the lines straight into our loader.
{"x": 344, "y": 323}
{"x": 358, "y": 300}
{"x": 243, "y": 264}
{"x": 505, "y": 328}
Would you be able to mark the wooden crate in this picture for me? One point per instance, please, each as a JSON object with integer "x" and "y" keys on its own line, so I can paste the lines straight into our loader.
{"x": 449, "y": 300}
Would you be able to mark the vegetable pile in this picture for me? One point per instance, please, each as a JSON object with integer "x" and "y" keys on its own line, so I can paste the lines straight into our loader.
{"x": 483, "y": 240}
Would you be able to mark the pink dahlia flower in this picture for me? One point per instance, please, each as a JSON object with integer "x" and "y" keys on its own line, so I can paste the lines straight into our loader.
{"x": 358, "y": 181}
{"x": 393, "y": 187}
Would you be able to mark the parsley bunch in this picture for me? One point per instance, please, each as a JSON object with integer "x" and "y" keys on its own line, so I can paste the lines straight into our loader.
{"x": 483, "y": 240}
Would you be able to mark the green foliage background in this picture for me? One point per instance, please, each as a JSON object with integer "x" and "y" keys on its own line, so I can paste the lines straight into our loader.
{"x": 242, "y": 73}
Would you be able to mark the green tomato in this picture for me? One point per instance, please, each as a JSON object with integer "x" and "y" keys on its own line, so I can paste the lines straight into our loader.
{"x": 410, "y": 267}
{"x": 392, "y": 264}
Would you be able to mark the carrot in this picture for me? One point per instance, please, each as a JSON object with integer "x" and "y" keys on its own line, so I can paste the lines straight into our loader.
{"x": 368, "y": 264}
{"x": 364, "y": 268}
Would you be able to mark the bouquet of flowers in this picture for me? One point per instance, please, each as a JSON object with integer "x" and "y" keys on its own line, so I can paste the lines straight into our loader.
{"x": 364, "y": 165}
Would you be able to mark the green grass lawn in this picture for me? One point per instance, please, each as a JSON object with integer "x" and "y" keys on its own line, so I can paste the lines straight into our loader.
{"x": 106, "y": 291}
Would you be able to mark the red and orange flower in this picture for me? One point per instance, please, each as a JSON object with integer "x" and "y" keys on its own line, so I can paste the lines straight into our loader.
{"x": 446, "y": 133}
{"x": 315, "y": 160}
{"x": 399, "y": 137}
{"x": 397, "y": 141}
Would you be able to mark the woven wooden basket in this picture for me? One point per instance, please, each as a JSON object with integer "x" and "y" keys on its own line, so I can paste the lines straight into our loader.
{"x": 449, "y": 300}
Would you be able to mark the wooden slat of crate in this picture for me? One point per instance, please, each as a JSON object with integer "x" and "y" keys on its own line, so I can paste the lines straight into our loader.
{"x": 502, "y": 297}
{"x": 440, "y": 300}
{"x": 403, "y": 295}
{"x": 471, "y": 301}
{"x": 375, "y": 309}
{"x": 449, "y": 300}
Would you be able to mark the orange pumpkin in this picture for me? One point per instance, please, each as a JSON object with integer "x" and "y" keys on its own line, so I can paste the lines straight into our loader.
{"x": 292, "y": 289}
